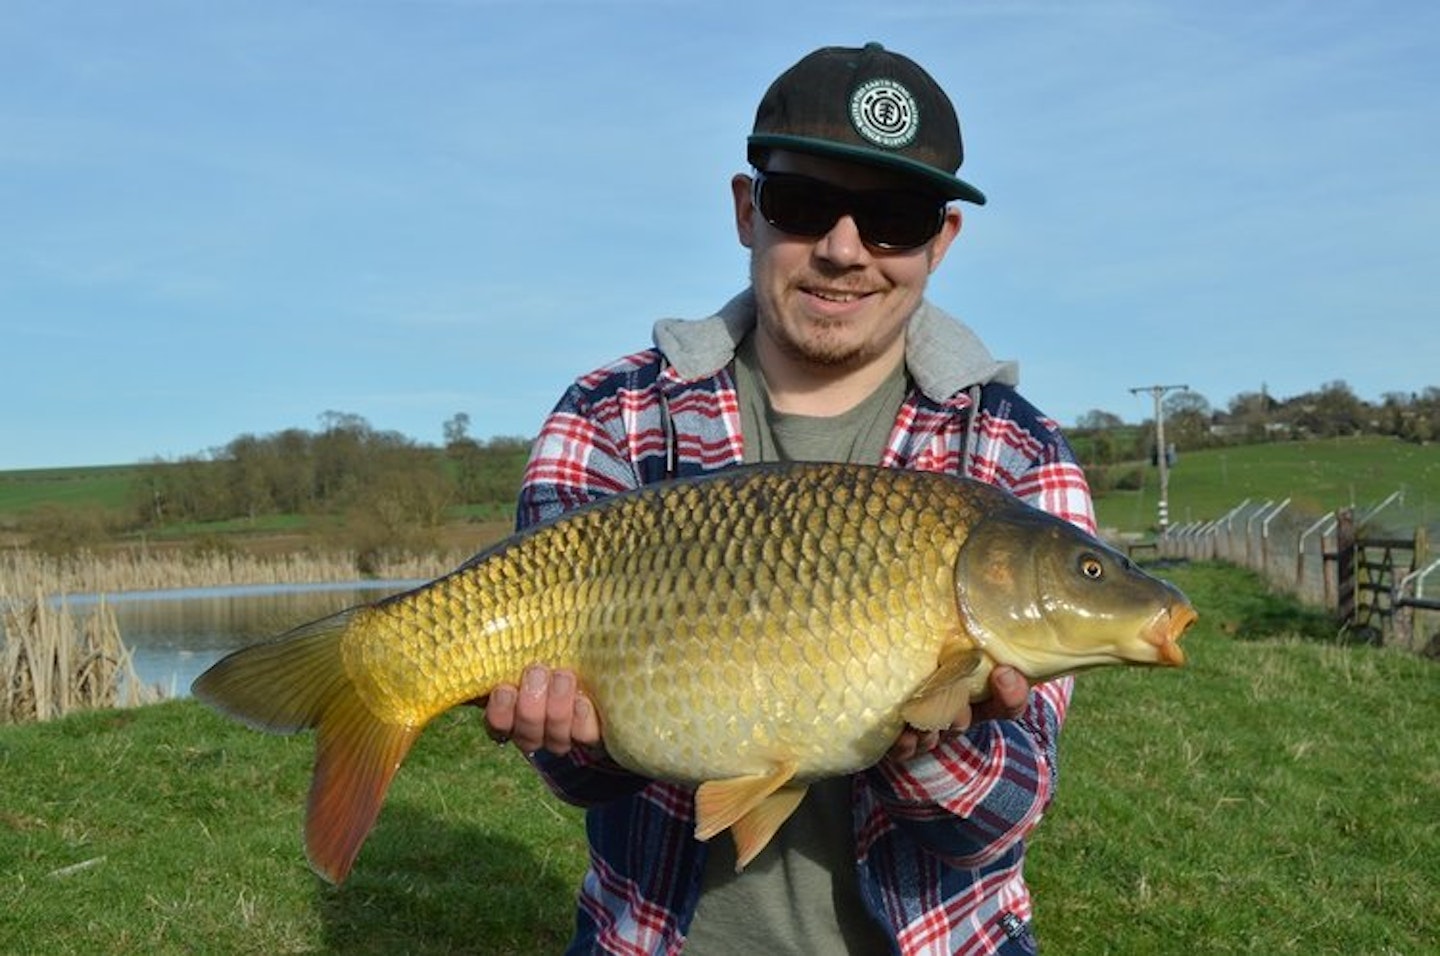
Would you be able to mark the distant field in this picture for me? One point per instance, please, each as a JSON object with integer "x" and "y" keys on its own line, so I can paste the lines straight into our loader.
{"x": 106, "y": 486}
{"x": 1318, "y": 476}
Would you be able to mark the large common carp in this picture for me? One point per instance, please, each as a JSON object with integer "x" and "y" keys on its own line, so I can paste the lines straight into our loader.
{"x": 747, "y": 632}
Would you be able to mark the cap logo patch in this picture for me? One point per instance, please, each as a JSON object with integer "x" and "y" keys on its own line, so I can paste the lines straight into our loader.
{"x": 884, "y": 112}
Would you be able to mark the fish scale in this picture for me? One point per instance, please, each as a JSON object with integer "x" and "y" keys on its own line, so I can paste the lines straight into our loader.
{"x": 744, "y": 633}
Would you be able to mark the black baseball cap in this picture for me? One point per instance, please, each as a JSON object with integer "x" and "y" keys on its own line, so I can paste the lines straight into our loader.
{"x": 867, "y": 105}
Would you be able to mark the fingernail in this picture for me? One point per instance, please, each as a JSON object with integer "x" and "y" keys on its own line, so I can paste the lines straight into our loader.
{"x": 503, "y": 697}
{"x": 583, "y": 710}
{"x": 1008, "y": 679}
{"x": 534, "y": 680}
{"x": 562, "y": 682}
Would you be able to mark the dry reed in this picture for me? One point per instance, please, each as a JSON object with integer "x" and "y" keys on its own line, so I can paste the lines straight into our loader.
{"x": 141, "y": 569}
{"x": 53, "y": 662}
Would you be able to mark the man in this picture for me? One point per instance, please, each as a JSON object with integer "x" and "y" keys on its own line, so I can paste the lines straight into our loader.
{"x": 832, "y": 353}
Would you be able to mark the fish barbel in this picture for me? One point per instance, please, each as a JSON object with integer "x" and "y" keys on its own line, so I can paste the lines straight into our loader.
{"x": 746, "y": 632}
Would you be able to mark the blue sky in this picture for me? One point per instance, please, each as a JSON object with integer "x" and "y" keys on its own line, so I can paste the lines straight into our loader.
{"x": 228, "y": 218}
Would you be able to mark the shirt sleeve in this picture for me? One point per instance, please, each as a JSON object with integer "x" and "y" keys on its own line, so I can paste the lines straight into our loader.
{"x": 972, "y": 798}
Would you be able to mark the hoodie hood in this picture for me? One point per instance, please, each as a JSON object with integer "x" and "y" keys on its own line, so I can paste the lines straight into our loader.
{"x": 943, "y": 355}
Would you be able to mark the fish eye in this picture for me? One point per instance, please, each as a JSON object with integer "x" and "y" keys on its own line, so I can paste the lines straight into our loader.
{"x": 1092, "y": 567}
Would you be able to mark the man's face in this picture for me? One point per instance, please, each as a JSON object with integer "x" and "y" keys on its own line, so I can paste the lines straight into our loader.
{"x": 832, "y": 301}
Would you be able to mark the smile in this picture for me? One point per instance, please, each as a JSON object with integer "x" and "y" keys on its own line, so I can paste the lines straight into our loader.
{"x": 836, "y": 296}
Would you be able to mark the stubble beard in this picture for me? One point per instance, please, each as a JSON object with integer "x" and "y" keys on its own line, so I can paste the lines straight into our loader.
{"x": 822, "y": 349}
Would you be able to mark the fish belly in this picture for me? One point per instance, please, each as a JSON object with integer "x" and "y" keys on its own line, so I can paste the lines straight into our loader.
{"x": 736, "y": 698}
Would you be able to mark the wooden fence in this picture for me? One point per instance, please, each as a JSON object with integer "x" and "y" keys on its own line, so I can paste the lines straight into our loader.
{"x": 1375, "y": 582}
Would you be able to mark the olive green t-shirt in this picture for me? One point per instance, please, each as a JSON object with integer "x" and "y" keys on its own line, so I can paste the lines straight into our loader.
{"x": 802, "y": 893}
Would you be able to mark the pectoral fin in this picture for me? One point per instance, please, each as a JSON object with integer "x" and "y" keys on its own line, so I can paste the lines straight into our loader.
{"x": 946, "y": 692}
{"x": 721, "y": 803}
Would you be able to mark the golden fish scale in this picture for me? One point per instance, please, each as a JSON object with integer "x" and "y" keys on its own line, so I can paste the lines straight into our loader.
{"x": 720, "y": 631}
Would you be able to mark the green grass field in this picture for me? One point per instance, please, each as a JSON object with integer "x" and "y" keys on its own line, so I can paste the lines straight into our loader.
{"x": 1279, "y": 795}
{"x": 109, "y": 486}
{"x": 1319, "y": 476}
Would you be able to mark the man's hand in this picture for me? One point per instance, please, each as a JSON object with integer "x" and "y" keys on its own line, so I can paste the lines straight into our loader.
{"x": 548, "y": 710}
{"x": 1009, "y": 693}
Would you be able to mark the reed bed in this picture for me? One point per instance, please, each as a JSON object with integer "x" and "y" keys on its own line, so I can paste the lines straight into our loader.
{"x": 142, "y": 569}
{"x": 54, "y": 662}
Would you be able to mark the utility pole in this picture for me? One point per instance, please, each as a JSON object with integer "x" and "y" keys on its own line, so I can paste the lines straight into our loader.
{"x": 1158, "y": 392}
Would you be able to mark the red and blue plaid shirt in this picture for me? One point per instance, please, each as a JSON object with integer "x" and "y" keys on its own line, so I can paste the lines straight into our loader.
{"x": 939, "y": 840}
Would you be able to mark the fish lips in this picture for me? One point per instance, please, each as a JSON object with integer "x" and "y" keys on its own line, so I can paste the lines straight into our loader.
{"x": 1165, "y": 630}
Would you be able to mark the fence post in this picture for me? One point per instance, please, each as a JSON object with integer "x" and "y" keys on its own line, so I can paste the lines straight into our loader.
{"x": 1404, "y": 617}
{"x": 1345, "y": 565}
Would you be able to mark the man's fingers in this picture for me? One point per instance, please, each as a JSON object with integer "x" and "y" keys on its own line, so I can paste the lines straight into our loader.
{"x": 1009, "y": 696}
{"x": 559, "y": 712}
{"x": 586, "y": 725}
{"x": 500, "y": 713}
{"x": 548, "y": 710}
{"x": 528, "y": 731}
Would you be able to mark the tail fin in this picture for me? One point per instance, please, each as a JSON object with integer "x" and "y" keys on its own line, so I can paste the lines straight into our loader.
{"x": 296, "y": 682}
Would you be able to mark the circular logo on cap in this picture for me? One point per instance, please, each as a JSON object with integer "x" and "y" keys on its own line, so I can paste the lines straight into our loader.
{"x": 885, "y": 113}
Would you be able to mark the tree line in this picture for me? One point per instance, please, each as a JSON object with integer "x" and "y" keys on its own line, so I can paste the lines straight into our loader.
{"x": 389, "y": 493}
{"x": 383, "y": 493}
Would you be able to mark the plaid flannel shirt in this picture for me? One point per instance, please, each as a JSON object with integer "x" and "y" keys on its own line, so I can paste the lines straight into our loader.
{"x": 939, "y": 840}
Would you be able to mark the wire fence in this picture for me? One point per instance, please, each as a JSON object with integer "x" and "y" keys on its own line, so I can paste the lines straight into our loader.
{"x": 1379, "y": 579}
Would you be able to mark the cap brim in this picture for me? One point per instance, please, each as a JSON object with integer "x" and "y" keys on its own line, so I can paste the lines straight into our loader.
{"x": 951, "y": 187}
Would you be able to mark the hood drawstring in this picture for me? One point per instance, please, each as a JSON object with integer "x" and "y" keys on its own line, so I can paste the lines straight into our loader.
{"x": 972, "y": 428}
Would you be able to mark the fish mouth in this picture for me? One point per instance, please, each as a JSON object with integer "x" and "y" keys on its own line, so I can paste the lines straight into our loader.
{"x": 1165, "y": 631}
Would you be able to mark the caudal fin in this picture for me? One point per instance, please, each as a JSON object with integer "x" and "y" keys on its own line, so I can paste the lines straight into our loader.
{"x": 298, "y": 682}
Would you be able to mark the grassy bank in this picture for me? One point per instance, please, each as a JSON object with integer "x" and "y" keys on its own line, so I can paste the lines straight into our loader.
{"x": 1318, "y": 476}
{"x": 1281, "y": 795}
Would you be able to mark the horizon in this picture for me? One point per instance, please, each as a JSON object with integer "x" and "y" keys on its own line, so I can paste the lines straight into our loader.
{"x": 209, "y": 451}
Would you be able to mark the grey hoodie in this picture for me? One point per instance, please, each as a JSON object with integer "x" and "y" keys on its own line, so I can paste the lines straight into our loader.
{"x": 944, "y": 357}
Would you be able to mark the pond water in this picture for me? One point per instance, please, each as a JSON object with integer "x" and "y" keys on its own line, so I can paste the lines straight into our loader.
{"x": 175, "y": 635}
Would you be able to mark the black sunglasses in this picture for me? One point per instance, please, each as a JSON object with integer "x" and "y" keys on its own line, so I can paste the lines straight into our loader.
{"x": 889, "y": 219}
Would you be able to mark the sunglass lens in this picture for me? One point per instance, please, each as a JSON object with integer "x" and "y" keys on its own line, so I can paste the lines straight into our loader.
{"x": 801, "y": 207}
{"x": 899, "y": 220}
{"x": 886, "y": 218}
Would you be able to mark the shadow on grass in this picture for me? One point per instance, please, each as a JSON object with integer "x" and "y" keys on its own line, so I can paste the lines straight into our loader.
{"x": 424, "y": 886}
{"x": 1278, "y": 616}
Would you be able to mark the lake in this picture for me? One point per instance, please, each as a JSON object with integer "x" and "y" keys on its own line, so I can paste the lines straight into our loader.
{"x": 175, "y": 635}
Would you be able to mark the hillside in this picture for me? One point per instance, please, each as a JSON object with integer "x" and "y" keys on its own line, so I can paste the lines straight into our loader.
{"x": 1319, "y": 475}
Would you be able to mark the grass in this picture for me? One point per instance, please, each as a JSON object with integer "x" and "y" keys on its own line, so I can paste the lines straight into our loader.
{"x": 1280, "y": 795}
{"x": 1318, "y": 476}
{"x": 106, "y": 486}
{"x": 170, "y": 830}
